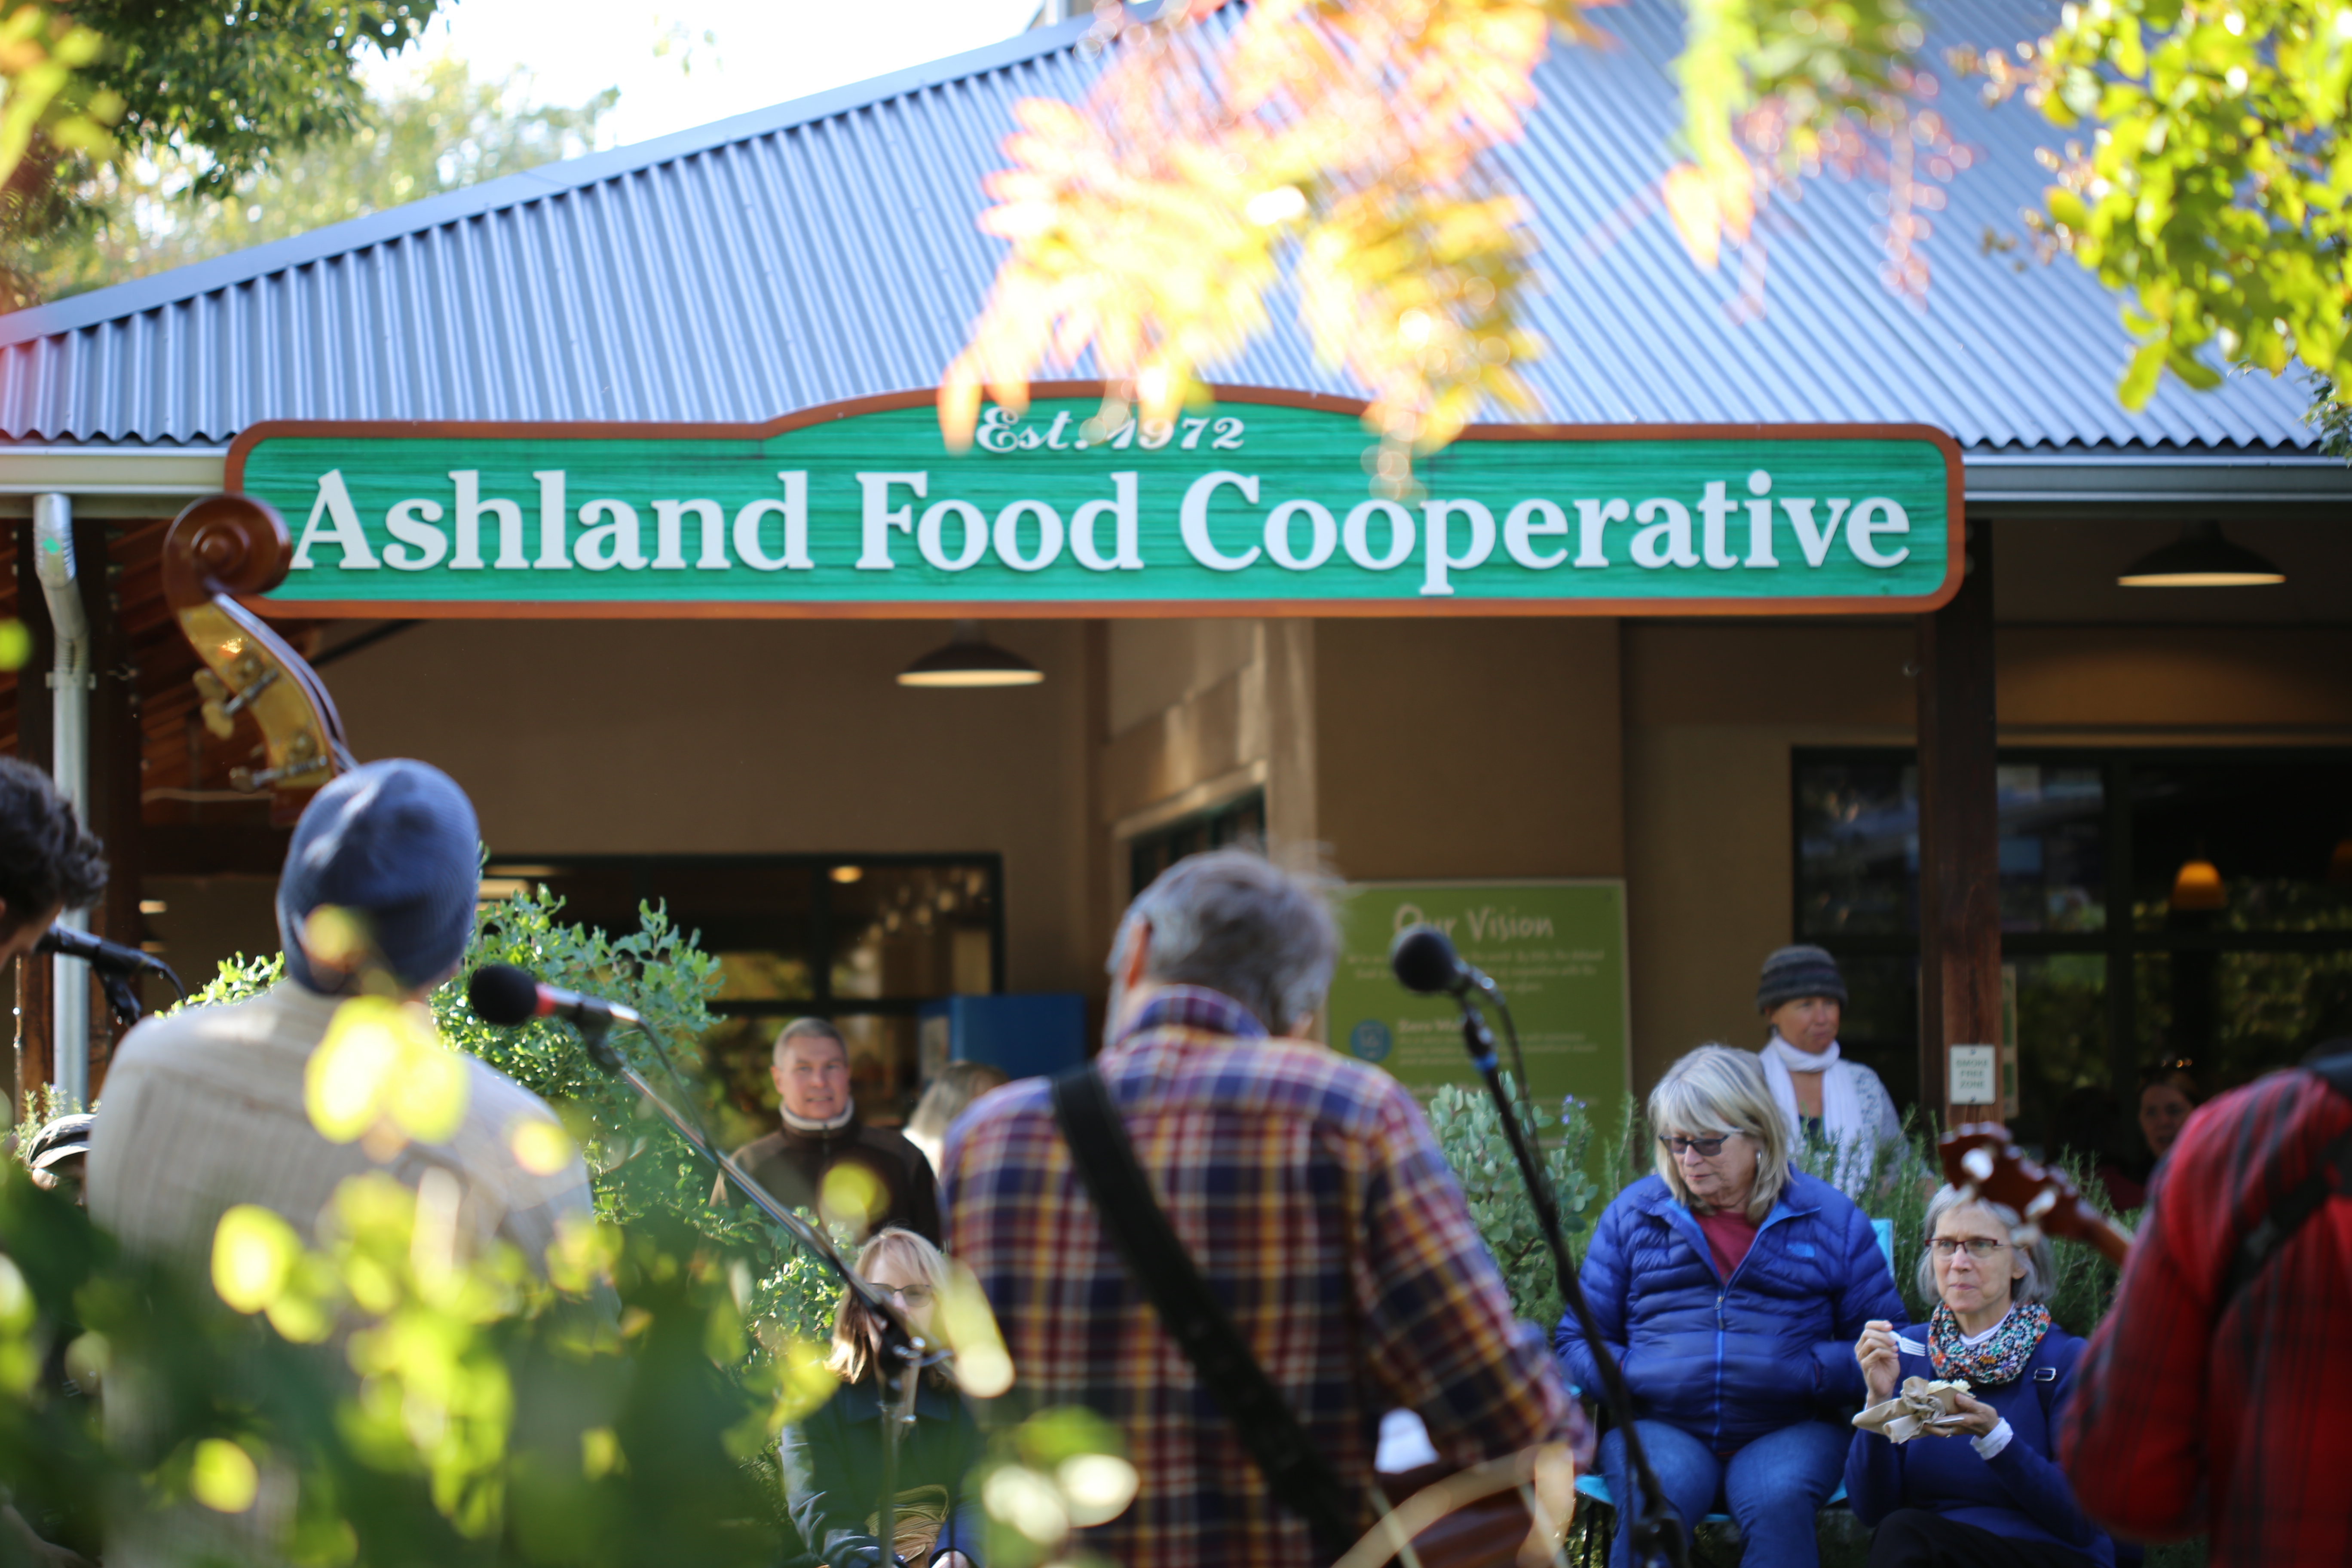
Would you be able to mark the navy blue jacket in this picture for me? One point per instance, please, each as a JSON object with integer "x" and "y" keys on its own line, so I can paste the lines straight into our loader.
{"x": 2019, "y": 1492}
{"x": 1731, "y": 1360}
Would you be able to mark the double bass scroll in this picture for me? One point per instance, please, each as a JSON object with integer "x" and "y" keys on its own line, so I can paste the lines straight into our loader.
{"x": 219, "y": 547}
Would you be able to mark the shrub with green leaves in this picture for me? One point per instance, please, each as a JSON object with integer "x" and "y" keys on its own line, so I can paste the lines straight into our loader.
{"x": 1470, "y": 1132}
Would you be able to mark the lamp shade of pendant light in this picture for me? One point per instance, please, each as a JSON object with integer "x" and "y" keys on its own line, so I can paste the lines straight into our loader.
{"x": 2201, "y": 558}
{"x": 2198, "y": 885}
{"x": 969, "y": 659}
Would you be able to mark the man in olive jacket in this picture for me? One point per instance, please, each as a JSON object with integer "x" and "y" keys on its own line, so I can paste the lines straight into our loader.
{"x": 879, "y": 1178}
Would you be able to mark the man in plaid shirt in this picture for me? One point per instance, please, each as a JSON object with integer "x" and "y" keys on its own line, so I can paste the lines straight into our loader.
{"x": 1308, "y": 1188}
{"x": 2192, "y": 1414}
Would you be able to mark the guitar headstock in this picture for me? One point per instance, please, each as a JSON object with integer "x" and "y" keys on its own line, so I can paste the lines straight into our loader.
{"x": 221, "y": 546}
{"x": 1979, "y": 1158}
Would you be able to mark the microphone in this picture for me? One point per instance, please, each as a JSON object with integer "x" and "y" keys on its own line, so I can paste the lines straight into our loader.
{"x": 1425, "y": 960}
{"x": 109, "y": 957}
{"x": 505, "y": 995}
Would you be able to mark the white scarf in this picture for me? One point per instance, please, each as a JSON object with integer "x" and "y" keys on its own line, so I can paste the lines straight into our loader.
{"x": 832, "y": 1124}
{"x": 1844, "y": 1121}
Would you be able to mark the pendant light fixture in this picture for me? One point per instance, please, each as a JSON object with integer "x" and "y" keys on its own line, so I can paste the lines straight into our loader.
{"x": 2197, "y": 887}
{"x": 969, "y": 659}
{"x": 2201, "y": 558}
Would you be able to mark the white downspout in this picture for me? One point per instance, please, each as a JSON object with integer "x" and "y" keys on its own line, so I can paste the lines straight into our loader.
{"x": 71, "y": 681}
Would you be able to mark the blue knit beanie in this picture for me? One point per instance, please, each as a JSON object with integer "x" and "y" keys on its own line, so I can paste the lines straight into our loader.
{"x": 395, "y": 843}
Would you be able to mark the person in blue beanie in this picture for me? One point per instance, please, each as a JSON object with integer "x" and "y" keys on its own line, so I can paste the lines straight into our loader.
{"x": 1731, "y": 1288}
{"x": 204, "y": 1109}
{"x": 1993, "y": 1495}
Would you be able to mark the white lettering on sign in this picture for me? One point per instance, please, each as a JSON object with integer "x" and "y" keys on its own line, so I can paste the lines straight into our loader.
{"x": 1226, "y": 521}
{"x": 1876, "y": 516}
{"x": 1000, "y": 430}
{"x": 1193, "y": 520}
{"x": 669, "y": 533}
{"x": 333, "y": 506}
{"x": 1127, "y": 526}
{"x": 1438, "y": 516}
{"x": 879, "y": 517}
{"x": 417, "y": 544}
{"x": 793, "y": 509}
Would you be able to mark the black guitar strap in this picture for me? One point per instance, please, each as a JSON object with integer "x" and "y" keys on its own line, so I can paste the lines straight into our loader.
{"x": 1299, "y": 1478}
{"x": 2331, "y": 1176}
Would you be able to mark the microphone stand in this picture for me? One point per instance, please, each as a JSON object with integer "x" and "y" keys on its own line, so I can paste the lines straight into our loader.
{"x": 900, "y": 1343}
{"x": 1653, "y": 1535}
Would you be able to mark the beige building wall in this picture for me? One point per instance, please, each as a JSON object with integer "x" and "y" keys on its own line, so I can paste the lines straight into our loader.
{"x": 1713, "y": 711}
{"x": 1470, "y": 748}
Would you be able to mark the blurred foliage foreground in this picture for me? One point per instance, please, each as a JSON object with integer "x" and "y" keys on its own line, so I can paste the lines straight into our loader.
{"x": 377, "y": 1395}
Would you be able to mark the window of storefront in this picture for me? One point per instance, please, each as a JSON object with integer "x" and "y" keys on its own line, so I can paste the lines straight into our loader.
{"x": 1242, "y": 820}
{"x": 2113, "y": 972}
{"x": 864, "y": 941}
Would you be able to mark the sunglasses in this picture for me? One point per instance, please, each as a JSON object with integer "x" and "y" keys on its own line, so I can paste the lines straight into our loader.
{"x": 1708, "y": 1147}
{"x": 917, "y": 1296}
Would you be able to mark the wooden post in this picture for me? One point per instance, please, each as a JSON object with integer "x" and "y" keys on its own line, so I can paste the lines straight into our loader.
{"x": 116, "y": 783}
{"x": 34, "y": 1056}
{"x": 1960, "y": 834}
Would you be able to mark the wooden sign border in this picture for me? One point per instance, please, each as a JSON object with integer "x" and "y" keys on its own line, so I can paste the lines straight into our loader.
{"x": 1063, "y": 609}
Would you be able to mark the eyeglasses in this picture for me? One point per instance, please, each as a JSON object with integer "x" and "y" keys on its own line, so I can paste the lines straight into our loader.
{"x": 1708, "y": 1147}
{"x": 1980, "y": 1246}
{"x": 917, "y": 1296}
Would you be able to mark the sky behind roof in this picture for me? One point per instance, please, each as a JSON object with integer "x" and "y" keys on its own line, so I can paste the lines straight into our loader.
{"x": 684, "y": 63}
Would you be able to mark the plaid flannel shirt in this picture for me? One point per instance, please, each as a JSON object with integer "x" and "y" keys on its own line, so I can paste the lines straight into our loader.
{"x": 2185, "y": 1420}
{"x": 1311, "y": 1194}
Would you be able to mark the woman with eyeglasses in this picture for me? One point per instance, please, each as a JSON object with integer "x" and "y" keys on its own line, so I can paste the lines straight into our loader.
{"x": 1990, "y": 1496}
{"x": 832, "y": 1458}
{"x": 1731, "y": 1288}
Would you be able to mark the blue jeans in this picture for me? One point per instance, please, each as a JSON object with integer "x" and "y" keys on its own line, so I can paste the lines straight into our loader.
{"x": 1770, "y": 1488}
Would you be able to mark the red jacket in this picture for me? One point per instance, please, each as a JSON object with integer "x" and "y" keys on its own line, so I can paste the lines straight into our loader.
{"x": 2236, "y": 1422}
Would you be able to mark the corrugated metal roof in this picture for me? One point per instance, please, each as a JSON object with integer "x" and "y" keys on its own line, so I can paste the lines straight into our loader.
{"x": 826, "y": 249}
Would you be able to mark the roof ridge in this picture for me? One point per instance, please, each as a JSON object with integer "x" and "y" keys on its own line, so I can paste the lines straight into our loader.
{"x": 196, "y": 279}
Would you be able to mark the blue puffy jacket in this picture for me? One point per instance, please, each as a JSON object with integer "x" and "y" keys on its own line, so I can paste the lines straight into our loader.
{"x": 1729, "y": 1360}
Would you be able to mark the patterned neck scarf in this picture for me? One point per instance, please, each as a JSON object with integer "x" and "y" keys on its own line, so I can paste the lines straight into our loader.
{"x": 1999, "y": 1359}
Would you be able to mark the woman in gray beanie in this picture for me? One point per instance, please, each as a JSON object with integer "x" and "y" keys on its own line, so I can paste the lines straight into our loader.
{"x": 1803, "y": 997}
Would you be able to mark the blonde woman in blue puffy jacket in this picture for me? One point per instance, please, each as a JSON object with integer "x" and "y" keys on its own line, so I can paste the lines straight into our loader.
{"x": 1732, "y": 1289}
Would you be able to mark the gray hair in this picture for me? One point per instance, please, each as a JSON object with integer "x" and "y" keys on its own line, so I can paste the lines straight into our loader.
{"x": 2040, "y": 1280}
{"x": 1716, "y": 1088}
{"x": 808, "y": 1029}
{"x": 1234, "y": 922}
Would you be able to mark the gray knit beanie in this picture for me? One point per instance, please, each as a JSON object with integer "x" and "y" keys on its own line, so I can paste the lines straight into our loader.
{"x": 1793, "y": 973}
{"x": 395, "y": 843}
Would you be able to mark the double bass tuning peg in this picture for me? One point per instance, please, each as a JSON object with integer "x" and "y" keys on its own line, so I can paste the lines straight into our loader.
{"x": 222, "y": 705}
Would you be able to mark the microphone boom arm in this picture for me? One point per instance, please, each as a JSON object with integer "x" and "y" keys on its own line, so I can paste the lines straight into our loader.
{"x": 1653, "y": 1534}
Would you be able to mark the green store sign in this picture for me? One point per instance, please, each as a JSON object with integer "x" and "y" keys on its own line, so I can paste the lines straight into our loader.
{"x": 1257, "y": 505}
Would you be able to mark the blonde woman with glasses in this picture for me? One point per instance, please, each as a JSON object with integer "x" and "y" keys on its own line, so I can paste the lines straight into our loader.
{"x": 1991, "y": 1496}
{"x": 1732, "y": 1287}
{"x": 833, "y": 1459}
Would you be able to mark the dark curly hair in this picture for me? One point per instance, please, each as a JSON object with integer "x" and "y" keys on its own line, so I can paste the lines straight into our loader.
{"x": 45, "y": 858}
